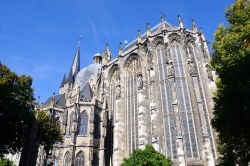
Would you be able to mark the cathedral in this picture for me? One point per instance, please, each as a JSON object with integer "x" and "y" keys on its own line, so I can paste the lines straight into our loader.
{"x": 157, "y": 90}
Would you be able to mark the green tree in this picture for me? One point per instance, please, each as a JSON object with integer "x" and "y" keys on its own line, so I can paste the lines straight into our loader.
{"x": 16, "y": 105}
{"x": 50, "y": 131}
{"x": 6, "y": 162}
{"x": 231, "y": 61}
{"x": 146, "y": 157}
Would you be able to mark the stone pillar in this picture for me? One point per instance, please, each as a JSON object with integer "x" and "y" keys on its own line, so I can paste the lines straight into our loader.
{"x": 179, "y": 138}
{"x": 207, "y": 152}
{"x": 119, "y": 146}
{"x": 141, "y": 118}
{"x": 101, "y": 153}
{"x": 207, "y": 145}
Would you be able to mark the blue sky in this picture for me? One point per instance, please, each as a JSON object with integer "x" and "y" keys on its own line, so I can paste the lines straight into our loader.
{"x": 39, "y": 37}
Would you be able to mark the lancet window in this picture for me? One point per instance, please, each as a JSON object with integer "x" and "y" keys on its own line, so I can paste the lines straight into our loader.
{"x": 132, "y": 105}
{"x": 166, "y": 86}
{"x": 83, "y": 124}
{"x": 79, "y": 160}
{"x": 184, "y": 102}
{"x": 66, "y": 161}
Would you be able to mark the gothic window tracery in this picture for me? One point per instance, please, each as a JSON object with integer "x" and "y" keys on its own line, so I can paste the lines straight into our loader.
{"x": 79, "y": 160}
{"x": 184, "y": 102}
{"x": 166, "y": 79}
{"x": 133, "y": 82}
{"x": 83, "y": 124}
{"x": 66, "y": 161}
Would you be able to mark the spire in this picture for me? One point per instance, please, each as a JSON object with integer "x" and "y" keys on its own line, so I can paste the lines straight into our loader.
{"x": 63, "y": 81}
{"x": 139, "y": 37}
{"x": 180, "y": 22}
{"x": 194, "y": 27}
{"x": 148, "y": 32}
{"x": 75, "y": 67}
{"x": 120, "y": 49}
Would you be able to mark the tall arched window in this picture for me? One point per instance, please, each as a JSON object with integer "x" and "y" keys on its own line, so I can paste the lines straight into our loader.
{"x": 79, "y": 160}
{"x": 166, "y": 91}
{"x": 184, "y": 101}
{"x": 66, "y": 161}
{"x": 83, "y": 124}
{"x": 132, "y": 65}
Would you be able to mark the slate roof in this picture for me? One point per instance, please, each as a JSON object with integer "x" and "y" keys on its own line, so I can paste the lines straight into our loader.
{"x": 156, "y": 29}
{"x": 59, "y": 100}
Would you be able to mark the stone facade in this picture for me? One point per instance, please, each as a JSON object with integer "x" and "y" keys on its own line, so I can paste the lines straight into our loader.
{"x": 158, "y": 90}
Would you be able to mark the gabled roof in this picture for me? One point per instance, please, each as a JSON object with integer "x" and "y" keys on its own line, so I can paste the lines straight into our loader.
{"x": 59, "y": 101}
{"x": 156, "y": 29}
{"x": 86, "y": 92}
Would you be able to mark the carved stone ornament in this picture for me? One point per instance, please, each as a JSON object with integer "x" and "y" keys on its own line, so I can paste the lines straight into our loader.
{"x": 209, "y": 73}
{"x": 158, "y": 40}
{"x": 118, "y": 91}
{"x": 170, "y": 69}
{"x": 139, "y": 82}
{"x": 174, "y": 37}
{"x": 192, "y": 68}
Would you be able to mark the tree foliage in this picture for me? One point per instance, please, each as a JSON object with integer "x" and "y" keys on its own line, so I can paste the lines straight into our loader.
{"x": 146, "y": 157}
{"x": 16, "y": 105}
{"x": 50, "y": 131}
{"x": 231, "y": 61}
{"x": 6, "y": 162}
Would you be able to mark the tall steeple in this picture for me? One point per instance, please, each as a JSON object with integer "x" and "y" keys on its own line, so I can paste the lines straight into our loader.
{"x": 75, "y": 67}
{"x": 63, "y": 81}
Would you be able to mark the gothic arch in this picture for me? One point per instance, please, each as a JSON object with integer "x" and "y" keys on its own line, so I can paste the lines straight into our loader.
{"x": 66, "y": 161}
{"x": 190, "y": 39}
{"x": 113, "y": 68}
{"x": 158, "y": 41}
{"x": 80, "y": 159}
{"x": 130, "y": 58}
{"x": 174, "y": 37}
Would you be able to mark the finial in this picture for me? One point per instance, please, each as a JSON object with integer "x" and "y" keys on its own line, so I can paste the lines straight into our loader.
{"x": 120, "y": 49}
{"x": 180, "y": 22}
{"x": 163, "y": 26}
{"x": 194, "y": 27}
{"x": 162, "y": 16}
{"x": 148, "y": 32}
{"x": 107, "y": 53}
{"x": 202, "y": 34}
{"x": 79, "y": 40}
{"x": 139, "y": 36}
